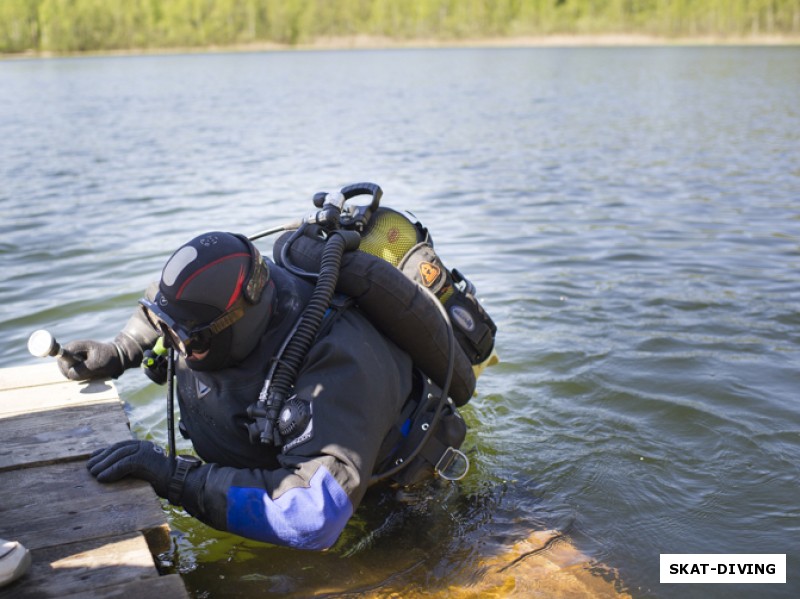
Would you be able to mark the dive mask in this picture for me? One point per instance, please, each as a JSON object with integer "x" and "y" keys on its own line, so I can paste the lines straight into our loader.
{"x": 195, "y": 339}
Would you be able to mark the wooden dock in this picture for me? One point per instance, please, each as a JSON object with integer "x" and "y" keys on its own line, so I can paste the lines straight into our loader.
{"x": 86, "y": 539}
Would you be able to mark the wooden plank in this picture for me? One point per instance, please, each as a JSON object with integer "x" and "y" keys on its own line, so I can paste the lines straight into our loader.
{"x": 62, "y": 503}
{"x": 87, "y": 539}
{"x": 95, "y": 563}
{"x": 166, "y": 587}
{"x": 45, "y": 372}
{"x": 50, "y": 397}
{"x": 73, "y": 433}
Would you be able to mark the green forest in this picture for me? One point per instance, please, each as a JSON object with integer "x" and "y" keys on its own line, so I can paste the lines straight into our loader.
{"x": 102, "y": 25}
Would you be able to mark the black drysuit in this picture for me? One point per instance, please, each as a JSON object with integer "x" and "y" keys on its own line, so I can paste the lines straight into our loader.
{"x": 357, "y": 382}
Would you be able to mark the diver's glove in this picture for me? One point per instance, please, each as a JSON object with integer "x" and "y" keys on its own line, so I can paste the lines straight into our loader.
{"x": 88, "y": 359}
{"x": 139, "y": 459}
{"x": 98, "y": 360}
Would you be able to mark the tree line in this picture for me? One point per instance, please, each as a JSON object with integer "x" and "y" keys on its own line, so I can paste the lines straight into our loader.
{"x": 97, "y": 25}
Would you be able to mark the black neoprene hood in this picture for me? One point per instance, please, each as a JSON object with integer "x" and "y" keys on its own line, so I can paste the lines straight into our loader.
{"x": 207, "y": 277}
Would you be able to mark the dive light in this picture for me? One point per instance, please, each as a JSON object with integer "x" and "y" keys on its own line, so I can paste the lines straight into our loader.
{"x": 42, "y": 344}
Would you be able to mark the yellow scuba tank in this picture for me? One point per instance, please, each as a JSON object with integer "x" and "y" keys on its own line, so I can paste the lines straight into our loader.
{"x": 404, "y": 243}
{"x": 390, "y": 235}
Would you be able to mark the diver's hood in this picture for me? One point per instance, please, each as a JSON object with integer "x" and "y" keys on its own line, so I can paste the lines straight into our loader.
{"x": 213, "y": 275}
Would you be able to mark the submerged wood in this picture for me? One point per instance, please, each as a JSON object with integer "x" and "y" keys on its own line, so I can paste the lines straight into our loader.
{"x": 544, "y": 565}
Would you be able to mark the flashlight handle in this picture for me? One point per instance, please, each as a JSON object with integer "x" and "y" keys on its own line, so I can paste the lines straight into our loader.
{"x": 66, "y": 355}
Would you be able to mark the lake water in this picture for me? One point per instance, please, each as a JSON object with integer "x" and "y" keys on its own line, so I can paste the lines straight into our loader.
{"x": 631, "y": 218}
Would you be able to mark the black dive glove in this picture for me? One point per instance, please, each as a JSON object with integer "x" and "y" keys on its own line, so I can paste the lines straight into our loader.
{"x": 98, "y": 360}
{"x": 95, "y": 360}
{"x": 139, "y": 459}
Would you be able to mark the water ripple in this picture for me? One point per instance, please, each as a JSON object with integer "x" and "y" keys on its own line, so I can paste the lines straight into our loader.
{"x": 629, "y": 217}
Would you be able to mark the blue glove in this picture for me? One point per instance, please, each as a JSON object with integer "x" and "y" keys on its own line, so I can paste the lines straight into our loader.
{"x": 139, "y": 459}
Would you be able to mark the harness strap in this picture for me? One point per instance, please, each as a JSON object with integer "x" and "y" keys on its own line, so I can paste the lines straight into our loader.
{"x": 396, "y": 436}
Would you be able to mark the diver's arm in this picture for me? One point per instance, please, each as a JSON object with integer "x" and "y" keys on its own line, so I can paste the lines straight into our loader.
{"x": 138, "y": 334}
{"x": 302, "y": 504}
{"x": 304, "y": 508}
{"x": 99, "y": 360}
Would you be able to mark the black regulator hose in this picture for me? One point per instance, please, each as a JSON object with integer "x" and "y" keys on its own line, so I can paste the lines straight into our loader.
{"x": 171, "y": 404}
{"x": 310, "y": 321}
{"x": 320, "y": 301}
{"x": 287, "y": 263}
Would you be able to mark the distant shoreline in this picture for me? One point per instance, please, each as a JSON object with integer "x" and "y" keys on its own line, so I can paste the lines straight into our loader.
{"x": 364, "y": 42}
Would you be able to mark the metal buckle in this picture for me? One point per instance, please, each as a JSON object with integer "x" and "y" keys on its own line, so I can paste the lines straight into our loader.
{"x": 449, "y": 457}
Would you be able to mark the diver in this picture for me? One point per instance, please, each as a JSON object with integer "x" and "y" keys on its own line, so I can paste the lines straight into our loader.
{"x": 290, "y": 473}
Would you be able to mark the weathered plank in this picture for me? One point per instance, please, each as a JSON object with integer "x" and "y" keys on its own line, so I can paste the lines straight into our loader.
{"x": 62, "y": 503}
{"x": 54, "y": 397}
{"x": 70, "y": 433}
{"x": 161, "y": 587}
{"x": 87, "y": 539}
{"x": 95, "y": 563}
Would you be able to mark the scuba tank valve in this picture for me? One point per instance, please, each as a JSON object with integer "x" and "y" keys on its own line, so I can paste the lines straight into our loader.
{"x": 356, "y": 219}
